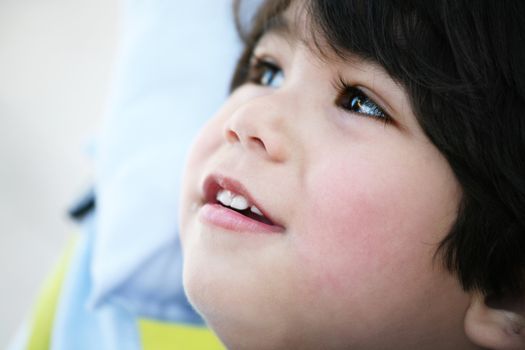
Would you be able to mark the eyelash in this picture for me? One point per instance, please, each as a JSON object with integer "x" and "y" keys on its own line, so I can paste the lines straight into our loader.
{"x": 258, "y": 67}
{"x": 348, "y": 96}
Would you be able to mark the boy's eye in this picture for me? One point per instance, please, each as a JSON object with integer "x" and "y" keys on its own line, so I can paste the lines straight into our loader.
{"x": 265, "y": 73}
{"x": 354, "y": 100}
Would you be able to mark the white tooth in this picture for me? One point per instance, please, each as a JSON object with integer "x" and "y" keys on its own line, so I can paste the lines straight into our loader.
{"x": 239, "y": 203}
{"x": 225, "y": 197}
{"x": 256, "y": 210}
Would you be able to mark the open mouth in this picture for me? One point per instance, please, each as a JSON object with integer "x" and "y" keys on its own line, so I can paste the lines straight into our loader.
{"x": 240, "y": 204}
{"x": 232, "y": 195}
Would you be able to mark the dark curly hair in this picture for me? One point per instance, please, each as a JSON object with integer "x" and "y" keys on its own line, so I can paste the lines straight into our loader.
{"x": 462, "y": 63}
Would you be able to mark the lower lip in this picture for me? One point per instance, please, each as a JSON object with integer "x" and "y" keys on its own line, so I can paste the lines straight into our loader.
{"x": 217, "y": 215}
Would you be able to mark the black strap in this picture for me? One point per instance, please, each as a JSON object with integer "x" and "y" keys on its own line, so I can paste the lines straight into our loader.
{"x": 82, "y": 207}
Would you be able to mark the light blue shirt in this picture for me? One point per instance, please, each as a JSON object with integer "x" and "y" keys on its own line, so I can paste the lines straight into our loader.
{"x": 175, "y": 60}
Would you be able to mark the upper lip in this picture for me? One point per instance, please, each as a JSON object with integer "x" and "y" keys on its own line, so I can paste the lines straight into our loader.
{"x": 214, "y": 183}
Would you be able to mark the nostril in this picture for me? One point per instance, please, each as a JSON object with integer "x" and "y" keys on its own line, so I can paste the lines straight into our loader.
{"x": 252, "y": 141}
{"x": 232, "y": 136}
{"x": 258, "y": 142}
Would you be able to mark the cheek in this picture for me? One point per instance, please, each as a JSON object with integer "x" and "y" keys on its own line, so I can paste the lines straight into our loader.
{"x": 208, "y": 140}
{"x": 211, "y": 136}
{"x": 341, "y": 237}
{"x": 365, "y": 226}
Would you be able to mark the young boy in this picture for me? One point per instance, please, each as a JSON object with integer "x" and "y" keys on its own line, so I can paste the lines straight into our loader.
{"x": 362, "y": 187}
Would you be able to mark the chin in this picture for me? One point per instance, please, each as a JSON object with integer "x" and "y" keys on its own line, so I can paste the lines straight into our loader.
{"x": 230, "y": 308}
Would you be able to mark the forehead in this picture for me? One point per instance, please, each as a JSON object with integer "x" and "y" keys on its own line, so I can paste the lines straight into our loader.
{"x": 295, "y": 26}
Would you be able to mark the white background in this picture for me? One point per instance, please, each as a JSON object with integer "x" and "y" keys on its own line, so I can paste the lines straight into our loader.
{"x": 55, "y": 64}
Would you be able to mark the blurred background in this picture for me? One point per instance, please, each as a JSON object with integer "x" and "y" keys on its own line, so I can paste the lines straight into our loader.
{"x": 55, "y": 65}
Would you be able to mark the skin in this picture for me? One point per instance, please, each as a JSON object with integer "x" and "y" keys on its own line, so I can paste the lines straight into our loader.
{"x": 363, "y": 205}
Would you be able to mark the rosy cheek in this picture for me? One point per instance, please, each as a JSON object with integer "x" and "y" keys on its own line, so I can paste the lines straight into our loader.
{"x": 351, "y": 230}
{"x": 328, "y": 242}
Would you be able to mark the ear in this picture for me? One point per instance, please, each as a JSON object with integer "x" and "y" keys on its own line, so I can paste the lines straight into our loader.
{"x": 496, "y": 323}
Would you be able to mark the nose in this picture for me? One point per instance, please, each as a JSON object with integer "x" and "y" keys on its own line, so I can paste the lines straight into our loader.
{"x": 261, "y": 126}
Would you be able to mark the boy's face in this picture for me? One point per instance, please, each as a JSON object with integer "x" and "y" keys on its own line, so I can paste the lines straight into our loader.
{"x": 357, "y": 207}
